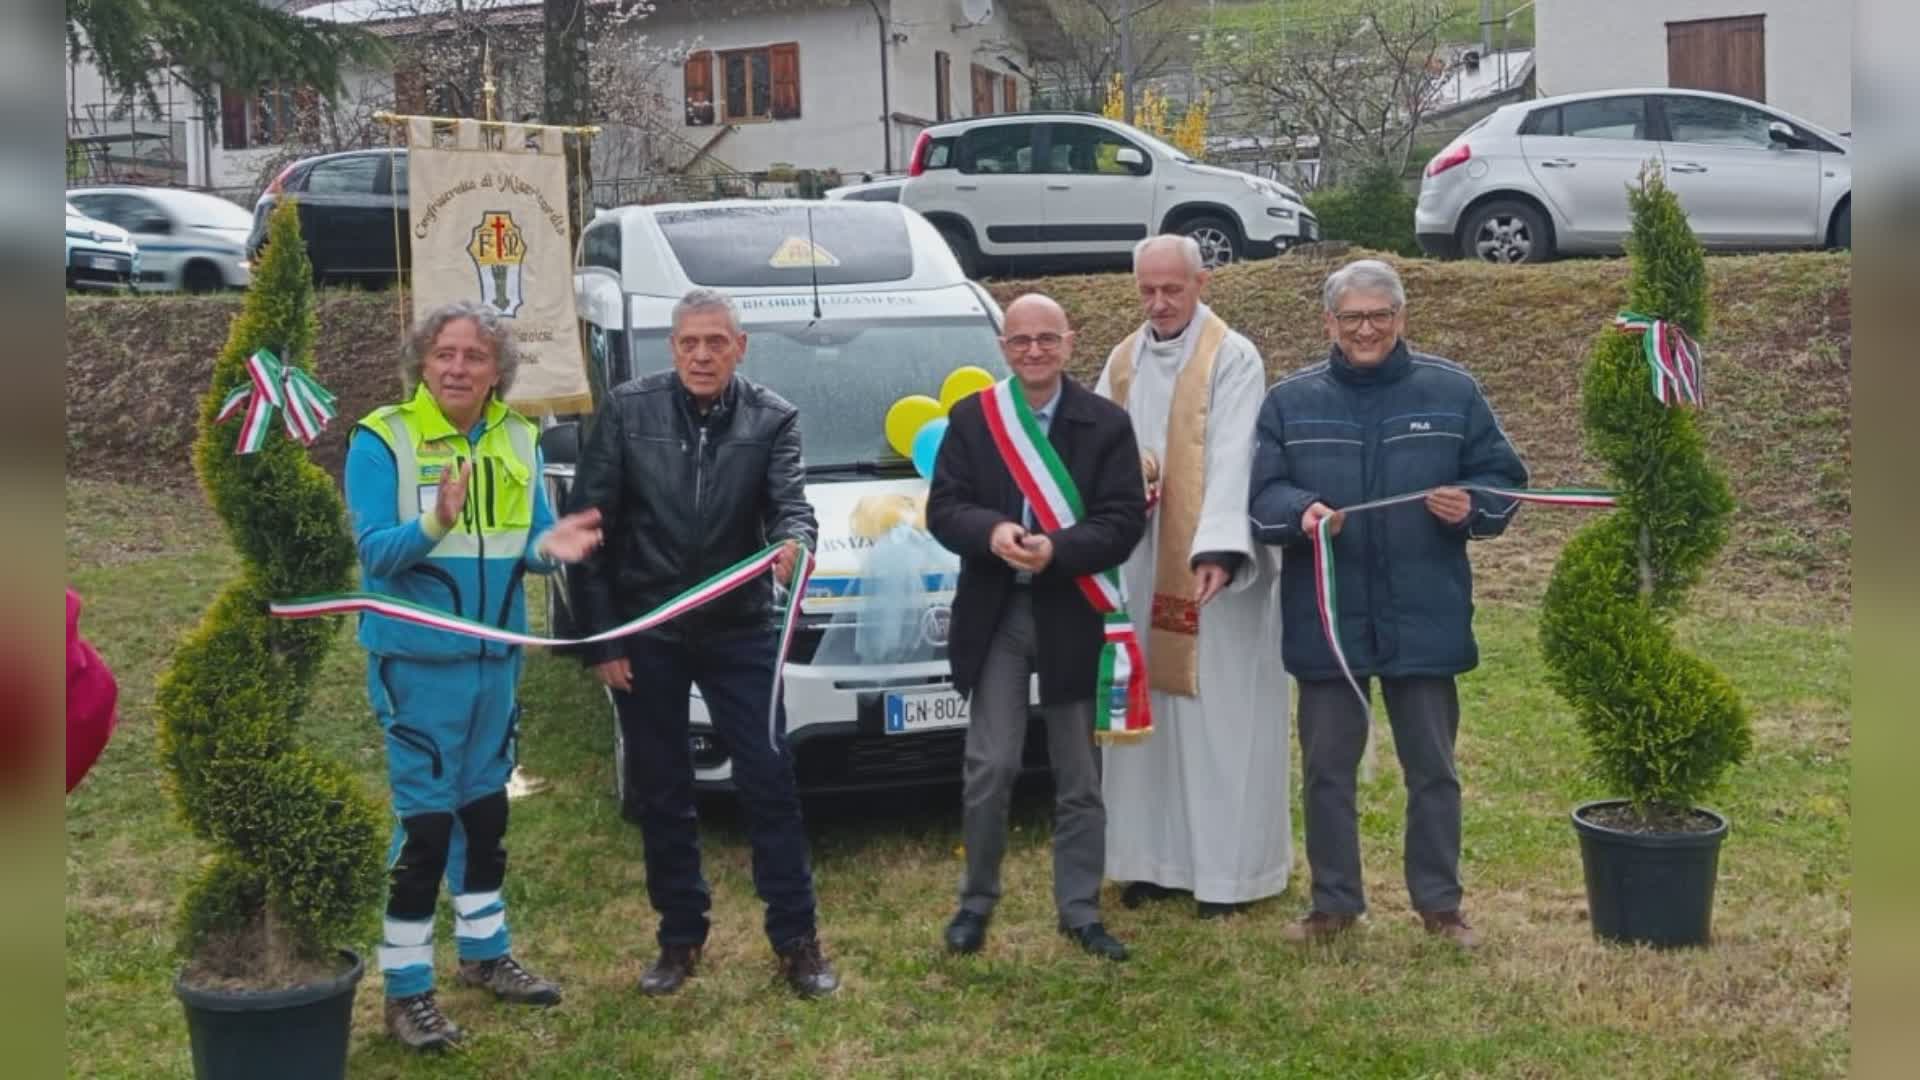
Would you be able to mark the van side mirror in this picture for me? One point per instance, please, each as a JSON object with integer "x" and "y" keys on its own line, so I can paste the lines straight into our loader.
{"x": 154, "y": 224}
{"x": 1133, "y": 159}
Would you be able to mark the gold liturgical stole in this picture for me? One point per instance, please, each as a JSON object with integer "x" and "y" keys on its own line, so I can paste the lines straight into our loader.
{"x": 1173, "y": 637}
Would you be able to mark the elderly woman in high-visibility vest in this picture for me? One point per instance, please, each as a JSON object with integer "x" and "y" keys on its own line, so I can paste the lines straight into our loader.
{"x": 449, "y": 512}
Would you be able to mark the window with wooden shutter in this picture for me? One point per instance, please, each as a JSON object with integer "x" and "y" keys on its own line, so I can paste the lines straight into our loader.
{"x": 409, "y": 92}
{"x": 1009, "y": 94}
{"x": 982, "y": 91}
{"x": 233, "y": 118}
{"x": 699, "y": 83}
{"x": 942, "y": 87}
{"x": 1726, "y": 55}
{"x": 786, "y": 81}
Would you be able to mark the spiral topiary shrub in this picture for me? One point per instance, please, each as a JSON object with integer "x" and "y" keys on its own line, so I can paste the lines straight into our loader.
{"x": 295, "y": 869}
{"x": 1662, "y": 726}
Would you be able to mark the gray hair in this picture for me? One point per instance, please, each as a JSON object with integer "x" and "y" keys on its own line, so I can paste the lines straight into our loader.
{"x": 1368, "y": 275}
{"x": 702, "y": 299}
{"x": 1186, "y": 245}
{"x": 493, "y": 330}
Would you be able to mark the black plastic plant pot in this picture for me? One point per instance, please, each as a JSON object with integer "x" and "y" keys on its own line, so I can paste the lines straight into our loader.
{"x": 1649, "y": 888}
{"x": 297, "y": 1034}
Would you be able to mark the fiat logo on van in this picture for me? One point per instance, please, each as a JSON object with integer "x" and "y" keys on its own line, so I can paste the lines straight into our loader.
{"x": 935, "y": 625}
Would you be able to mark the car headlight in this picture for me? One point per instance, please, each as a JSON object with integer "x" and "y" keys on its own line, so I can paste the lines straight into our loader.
{"x": 1281, "y": 212}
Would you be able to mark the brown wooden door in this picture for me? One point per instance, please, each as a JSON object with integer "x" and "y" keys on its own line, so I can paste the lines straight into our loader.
{"x": 1727, "y": 55}
{"x": 1010, "y": 94}
{"x": 942, "y": 87}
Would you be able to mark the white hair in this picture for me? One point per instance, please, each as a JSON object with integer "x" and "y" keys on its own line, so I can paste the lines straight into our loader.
{"x": 1368, "y": 275}
{"x": 698, "y": 300}
{"x": 486, "y": 321}
{"x": 1186, "y": 245}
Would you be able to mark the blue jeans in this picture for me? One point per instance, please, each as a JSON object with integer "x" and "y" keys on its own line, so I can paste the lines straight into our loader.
{"x": 735, "y": 677}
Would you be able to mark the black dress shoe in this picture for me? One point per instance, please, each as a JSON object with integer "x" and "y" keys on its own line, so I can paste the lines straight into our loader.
{"x": 967, "y": 932}
{"x": 807, "y": 970}
{"x": 671, "y": 971}
{"x": 1094, "y": 938}
{"x": 1140, "y": 892}
{"x": 1211, "y": 910}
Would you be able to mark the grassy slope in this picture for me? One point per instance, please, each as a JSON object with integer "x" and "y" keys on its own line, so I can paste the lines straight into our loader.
{"x": 1777, "y": 363}
{"x": 1200, "y": 999}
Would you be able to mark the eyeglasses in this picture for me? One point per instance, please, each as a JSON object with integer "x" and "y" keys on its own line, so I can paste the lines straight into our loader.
{"x": 1381, "y": 319}
{"x": 1022, "y": 342}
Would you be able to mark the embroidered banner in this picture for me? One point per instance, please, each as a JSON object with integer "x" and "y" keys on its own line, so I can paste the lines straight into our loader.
{"x": 489, "y": 225}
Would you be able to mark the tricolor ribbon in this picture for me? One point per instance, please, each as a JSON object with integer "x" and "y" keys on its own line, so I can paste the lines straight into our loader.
{"x": 1323, "y": 580}
{"x": 1673, "y": 358}
{"x": 1121, "y": 710}
{"x": 720, "y": 584}
{"x": 273, "y": 385}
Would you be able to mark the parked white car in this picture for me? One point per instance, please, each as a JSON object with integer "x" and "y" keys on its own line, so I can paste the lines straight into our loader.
{"x": 1540, "y": 178}
{"x": 1077, "y": 188}
{"x": 189, "y": 240}
{"x": 99, "y": 255}
{"x": 882, "y": 189}
{"x": 869, "y": 694}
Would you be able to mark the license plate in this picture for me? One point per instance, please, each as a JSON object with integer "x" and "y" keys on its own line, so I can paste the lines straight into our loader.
{"x": 926, "y": 710}
{"x": 101, "y": 262}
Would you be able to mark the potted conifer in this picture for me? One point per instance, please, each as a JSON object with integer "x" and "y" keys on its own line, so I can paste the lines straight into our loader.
{"x": 294, "y": 868}
{"x": 1662, "y": 727}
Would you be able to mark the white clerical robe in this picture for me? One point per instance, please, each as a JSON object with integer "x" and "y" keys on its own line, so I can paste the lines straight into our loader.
{"x": 1202, "y": 804}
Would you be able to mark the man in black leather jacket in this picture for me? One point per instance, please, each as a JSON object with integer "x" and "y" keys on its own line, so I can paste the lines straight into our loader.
{"x": 693, "y": 470}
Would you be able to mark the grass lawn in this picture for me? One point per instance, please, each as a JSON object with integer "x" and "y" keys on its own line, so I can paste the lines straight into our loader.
{"x": 1772, "y": 997}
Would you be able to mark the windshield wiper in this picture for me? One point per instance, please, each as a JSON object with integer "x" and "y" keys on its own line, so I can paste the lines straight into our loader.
{"x": 861, "y": 468}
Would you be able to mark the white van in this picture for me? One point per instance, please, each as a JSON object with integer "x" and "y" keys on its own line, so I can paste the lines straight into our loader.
{"x": 879, "y": 312}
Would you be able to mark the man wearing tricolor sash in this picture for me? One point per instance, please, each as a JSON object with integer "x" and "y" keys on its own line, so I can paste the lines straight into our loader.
{"x": 1372, "y": 421}
{"x": 1037, "y": 488}
{"x": 449, "y": 513}
{"x": 1201, "y": 808}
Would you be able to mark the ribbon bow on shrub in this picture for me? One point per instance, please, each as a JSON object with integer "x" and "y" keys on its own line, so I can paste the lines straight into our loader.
{"x": 274, "y": 385}
{"x": 1673, "y": 357}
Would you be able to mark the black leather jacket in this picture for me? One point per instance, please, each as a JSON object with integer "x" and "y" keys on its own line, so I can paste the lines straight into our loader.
{"x": 683, "y": 496}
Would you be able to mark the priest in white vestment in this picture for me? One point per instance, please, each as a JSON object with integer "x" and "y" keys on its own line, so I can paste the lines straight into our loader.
{"x": 1201, "y": 805}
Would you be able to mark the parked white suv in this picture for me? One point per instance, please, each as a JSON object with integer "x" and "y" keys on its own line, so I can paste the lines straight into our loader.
{"x": 1546, "y": 177}
{"x": 1062, "y": 188}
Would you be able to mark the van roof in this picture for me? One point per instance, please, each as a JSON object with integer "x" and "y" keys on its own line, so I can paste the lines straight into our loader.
{"x": 742, "y": 246}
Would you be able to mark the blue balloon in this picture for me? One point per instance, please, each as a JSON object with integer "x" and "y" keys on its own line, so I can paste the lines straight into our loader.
{"x": 926, "y": 445}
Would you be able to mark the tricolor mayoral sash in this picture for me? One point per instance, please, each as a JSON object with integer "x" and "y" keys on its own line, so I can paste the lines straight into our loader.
{"x": 1121, "y": 712}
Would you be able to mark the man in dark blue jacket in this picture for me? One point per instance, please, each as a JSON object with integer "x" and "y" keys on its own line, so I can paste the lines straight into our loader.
{"x": 1377, "y": 419}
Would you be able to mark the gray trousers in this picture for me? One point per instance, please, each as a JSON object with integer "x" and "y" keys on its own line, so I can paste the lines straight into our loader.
{"x": 996, "y": 734}
{"x": 1425, "y": 715}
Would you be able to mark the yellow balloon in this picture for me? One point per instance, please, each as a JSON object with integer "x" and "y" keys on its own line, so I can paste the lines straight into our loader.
{"x": 906, "y": 418}
{"x": 963, "y": 383}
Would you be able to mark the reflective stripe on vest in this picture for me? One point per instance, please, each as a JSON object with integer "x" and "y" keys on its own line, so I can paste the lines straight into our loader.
{"x": 490, "y": 523}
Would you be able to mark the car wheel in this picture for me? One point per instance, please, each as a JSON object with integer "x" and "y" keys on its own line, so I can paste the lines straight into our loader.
{"x": 1506, "y": 232}
{"x": 1843, "y": 228}
{"x": 1219, "y": 243}
{"x": 961, "y": 242}
{"x": 202, "y": 277}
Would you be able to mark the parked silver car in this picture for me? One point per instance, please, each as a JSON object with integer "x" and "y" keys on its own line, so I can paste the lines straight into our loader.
{"x": 1546, "y": 177}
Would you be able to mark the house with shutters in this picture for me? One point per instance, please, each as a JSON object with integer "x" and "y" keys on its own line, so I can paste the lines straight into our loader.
{"x": 844, "y": 84}
{"x": 743, "y": 86}
{"x": 1796, "y": 55}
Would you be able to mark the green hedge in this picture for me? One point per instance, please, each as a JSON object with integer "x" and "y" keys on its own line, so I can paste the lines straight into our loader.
{"x": 295, "y": 870}
{"x": 1374, "y": 211}
{"x": 1662, "y": 726}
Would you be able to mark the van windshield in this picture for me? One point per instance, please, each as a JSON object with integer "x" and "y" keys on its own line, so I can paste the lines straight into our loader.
{"x": 843, "y": 375}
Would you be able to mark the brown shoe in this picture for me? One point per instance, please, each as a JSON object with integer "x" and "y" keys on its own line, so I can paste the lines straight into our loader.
{"x": 807, "y": 970}
{"x": 509, "y": 981}
{"x": 1318, "y": 926}
{"x": 671, "y": 971}
{"x": 1452, "y": 926}
{"x": 418, "y": 1023}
